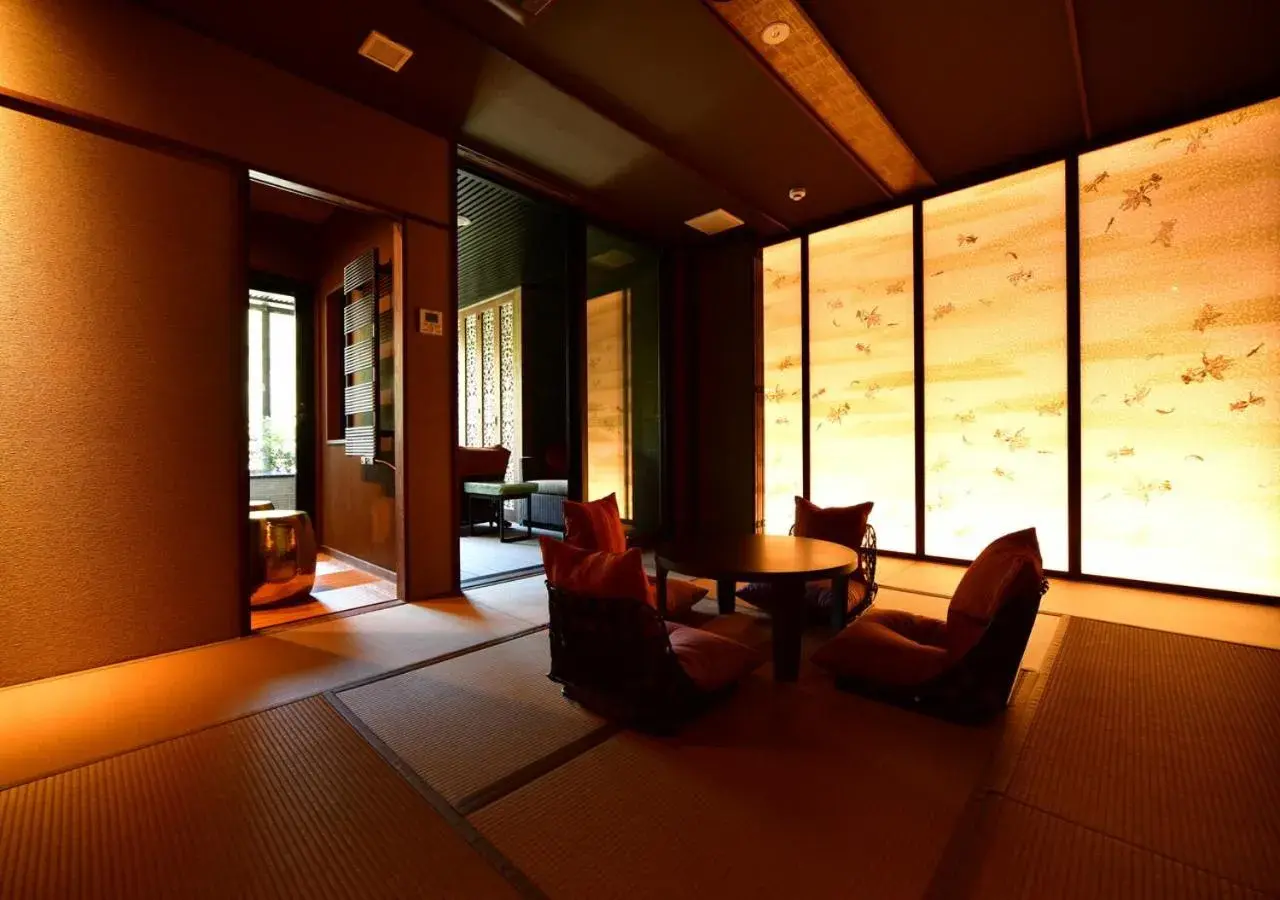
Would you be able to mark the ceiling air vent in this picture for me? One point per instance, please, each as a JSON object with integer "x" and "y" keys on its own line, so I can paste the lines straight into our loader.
{"x": 714, "y": 222}
{"x": 384, "y": 51}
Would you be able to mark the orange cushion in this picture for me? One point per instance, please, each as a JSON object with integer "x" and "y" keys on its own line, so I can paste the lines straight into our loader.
{"x": 711, "y": 661}
{"x": 987, "y": 584}
{"x": 595, "y": 525}
{"x": 592, "y": 573}
{"x": 887, "y": 646}
{"x": 845, "y": 525}
{"x": 681, "y": 595}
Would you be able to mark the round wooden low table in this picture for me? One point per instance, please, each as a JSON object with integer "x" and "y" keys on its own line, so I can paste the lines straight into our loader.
{"x": 787, "y": 562}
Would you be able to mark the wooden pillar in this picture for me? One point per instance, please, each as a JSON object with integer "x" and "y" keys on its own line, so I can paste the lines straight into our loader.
{"x": 426, "y": 413}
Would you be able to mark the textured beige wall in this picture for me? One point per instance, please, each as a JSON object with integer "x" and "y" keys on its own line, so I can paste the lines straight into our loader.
{"x": 121, "y": 410}
{"x": 116, "y": 61}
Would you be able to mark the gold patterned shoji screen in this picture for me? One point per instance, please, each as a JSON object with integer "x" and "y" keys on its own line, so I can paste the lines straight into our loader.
{"x": 609, "y": 399}
{"x": 995, "y": 379}
{"x": 1180, "y": 348}
{"x": 862, "y": 372}
{"x": 489, "y": 382}
{"x": 783, "y": 423}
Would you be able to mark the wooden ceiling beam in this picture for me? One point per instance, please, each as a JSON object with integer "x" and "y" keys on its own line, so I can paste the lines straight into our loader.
{"x": 813, "y": 74}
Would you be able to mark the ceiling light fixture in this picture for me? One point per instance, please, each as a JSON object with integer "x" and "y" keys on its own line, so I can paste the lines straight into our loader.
{"x": 796, "y": 194}
{"x": 463, "y": 221}
{"x": 775, "y": 33}
{"x": 379, "y": 48}
{"x": 714, "y": 222}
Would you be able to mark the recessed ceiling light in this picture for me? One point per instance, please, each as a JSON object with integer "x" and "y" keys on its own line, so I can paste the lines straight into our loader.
{"x": 613, "y": 259}
{"x": 796, "y": 194}
{"x": 775, "y": 33}
{"x": 385, "y": 52}
{"x": 463, "y": 221}
{"x": 714, "y": 222}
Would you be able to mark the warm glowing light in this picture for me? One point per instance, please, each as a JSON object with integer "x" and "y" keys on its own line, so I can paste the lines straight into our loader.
{"x": 995, "y": 380}
{"x": 783, "y": 425}
{"x": 1180, "y": 441}
{"x": 609, "y": 399}
{"x": 862, "y": 372}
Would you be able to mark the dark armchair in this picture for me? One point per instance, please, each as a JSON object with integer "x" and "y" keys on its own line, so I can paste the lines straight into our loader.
{"x": 962, "y": 669}
{"x": 621, "y": 660}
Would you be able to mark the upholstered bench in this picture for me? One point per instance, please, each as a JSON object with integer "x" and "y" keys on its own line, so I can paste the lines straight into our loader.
{"x": 546, "y": 506}
{"x": 497, "y": 493}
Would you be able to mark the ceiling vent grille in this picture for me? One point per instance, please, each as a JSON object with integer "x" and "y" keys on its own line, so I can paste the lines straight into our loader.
{"x": 385, "y": 52}
{"x": 714, "y": 222}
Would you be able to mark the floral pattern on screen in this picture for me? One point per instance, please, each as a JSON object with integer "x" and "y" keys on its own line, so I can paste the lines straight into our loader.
{"x": 1180, "y": 347}
{"x": 995, "y": 380}
{"x": 862, "y": 372}
{"x": 474, "y": 431}
{"x": 783, "y": 382}
{"x": 489, "y": 362}
{"x": 509, "y": 361}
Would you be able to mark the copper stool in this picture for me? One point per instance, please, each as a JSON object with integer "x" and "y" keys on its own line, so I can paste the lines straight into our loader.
{"x": 282, "y": 556}
{"x": 260, "y": 505}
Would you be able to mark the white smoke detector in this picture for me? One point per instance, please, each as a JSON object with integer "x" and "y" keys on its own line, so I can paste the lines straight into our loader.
{"x": 385, "y": 52}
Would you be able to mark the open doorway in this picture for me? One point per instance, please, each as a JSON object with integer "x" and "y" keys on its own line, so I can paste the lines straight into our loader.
{"x": 322, "y": 523}
{"x": 513, "y": 372}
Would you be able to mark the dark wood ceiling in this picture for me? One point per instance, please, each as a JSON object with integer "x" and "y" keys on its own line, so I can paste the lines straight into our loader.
{"x": 648, "y": 112}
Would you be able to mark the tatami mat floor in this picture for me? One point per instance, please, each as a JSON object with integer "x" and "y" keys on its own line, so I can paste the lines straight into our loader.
{"x": 51, "y": 725}
{"x": 484, "y": 555}
{"x": 786, "y": 788}
{"x": 286, "y": 803}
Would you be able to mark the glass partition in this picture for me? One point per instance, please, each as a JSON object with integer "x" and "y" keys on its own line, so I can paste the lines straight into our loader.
{"x": 1180, "y": 348}
{"x": 1173, "y": 472}
{"x": 995, "y": 379}
{"x": 783, "y": 382}
{"x": 862, "y": 372}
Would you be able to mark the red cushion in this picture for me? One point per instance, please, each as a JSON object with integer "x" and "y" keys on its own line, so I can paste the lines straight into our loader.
{"x": 887, "y": 646}
{"x": 681, "y": 595}
{"x": 711, "y": 661}
{"x": 591, "y": 573}
{"x": 845, "y": 525}
{"x": 595, "y": 525}
{"x": 987, "y": 584}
